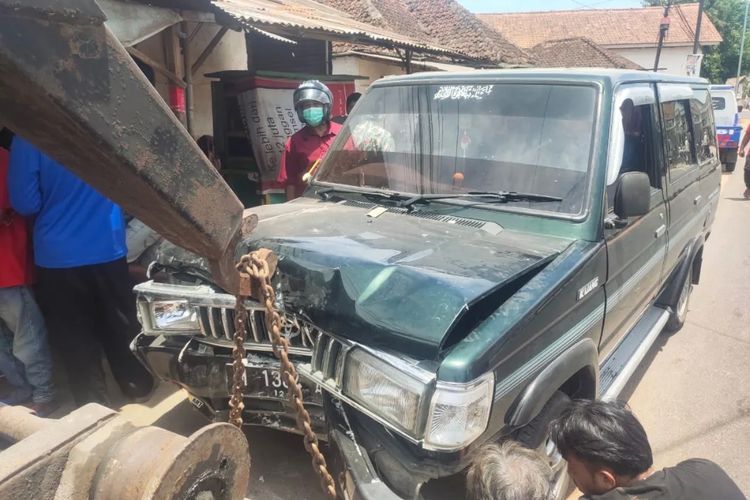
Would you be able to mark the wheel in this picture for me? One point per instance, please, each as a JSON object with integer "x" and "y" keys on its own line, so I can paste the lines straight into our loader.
{"x": 729, "y": 166}
{"x": 680, "y": 309}
{"x": 535, "y": 435}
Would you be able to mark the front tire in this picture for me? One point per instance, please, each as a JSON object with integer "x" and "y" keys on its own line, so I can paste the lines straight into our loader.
{"x": 535, "y": 435}
{"x": 680, "y": 308}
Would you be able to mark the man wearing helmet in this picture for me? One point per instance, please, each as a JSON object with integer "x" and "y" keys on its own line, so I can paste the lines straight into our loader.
{"x": 312, "y": 102}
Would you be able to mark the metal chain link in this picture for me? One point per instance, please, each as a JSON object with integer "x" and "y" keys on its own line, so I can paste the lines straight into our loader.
{"x": 257, "y": 268}
{"x": 236, "y": 400}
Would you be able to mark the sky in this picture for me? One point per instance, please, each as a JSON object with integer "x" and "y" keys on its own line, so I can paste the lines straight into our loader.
{"x": 528, "y": 5}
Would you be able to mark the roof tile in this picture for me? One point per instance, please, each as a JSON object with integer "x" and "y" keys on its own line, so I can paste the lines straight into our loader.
{"x": 441, "y": 22}
{"x": 579, "y": 53}
{"x": 607, "y": 27}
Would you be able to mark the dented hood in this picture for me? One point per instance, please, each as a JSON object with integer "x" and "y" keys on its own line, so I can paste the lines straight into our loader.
{"x": 398, "y": 280}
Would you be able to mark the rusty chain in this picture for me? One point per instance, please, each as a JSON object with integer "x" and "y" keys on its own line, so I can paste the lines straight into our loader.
{"x": 258, "y": 270}
{"x": 236, "y": 401}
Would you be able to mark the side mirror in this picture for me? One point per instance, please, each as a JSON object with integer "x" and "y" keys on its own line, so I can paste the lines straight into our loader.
{"x": 633, "y": 195}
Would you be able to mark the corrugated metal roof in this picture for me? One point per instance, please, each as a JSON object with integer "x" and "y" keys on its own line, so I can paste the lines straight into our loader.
{"x": 309, "y": 18}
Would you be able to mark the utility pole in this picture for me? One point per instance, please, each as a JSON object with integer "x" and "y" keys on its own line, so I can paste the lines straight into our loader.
{"x": 697, "y": 41}
{"x": 663, "y": 27}
{"x": 742, "y": 49}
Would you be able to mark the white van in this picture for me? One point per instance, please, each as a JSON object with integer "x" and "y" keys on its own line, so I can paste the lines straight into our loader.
{"x": 728, "y": 129}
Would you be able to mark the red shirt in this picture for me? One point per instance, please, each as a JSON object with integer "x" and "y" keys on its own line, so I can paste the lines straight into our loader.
{"x": 15, "y": 256}
{"x": 301, "y": 151}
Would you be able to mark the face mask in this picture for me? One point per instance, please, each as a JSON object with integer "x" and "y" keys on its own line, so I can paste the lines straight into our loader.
{"x": 313, "y": 116}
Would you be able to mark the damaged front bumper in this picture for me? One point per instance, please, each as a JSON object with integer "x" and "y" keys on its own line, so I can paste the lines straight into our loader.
{"x": 370, "y": 463}
{"x": 357, "y": 477}
{"x": 204, "y": 371}
{"x": 366, "y": 460}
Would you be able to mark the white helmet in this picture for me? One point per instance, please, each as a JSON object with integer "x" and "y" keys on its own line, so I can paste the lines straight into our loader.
{"x": 316, "y": 91}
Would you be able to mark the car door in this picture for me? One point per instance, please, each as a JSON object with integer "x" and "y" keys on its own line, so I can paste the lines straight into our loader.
{"x": 683, "y": 188}
{"x": 635, "y": 246}
{"x": 709, "y": 173}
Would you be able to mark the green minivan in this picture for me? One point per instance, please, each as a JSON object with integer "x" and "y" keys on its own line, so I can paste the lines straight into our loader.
{"x": 475, "y": 250}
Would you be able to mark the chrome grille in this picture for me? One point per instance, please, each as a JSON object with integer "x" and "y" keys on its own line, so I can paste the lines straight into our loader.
{"x": 218, "y": 323}
{"x": 327, "y": 364}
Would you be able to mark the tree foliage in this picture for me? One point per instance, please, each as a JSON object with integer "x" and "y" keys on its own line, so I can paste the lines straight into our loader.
{"x": 720, "y": 62}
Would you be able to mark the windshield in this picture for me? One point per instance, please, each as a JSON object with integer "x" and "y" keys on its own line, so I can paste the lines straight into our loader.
{"x": 435, "y": 139}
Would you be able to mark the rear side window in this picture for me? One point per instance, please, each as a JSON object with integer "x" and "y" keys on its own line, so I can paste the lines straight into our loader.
{"x": 678, "y": 134}
{"x": 703, "y": 126}
{"x": 719, "y": 103}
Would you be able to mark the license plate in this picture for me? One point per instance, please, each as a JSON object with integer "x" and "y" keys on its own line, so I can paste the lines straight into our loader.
{"x": 266, "y": 381}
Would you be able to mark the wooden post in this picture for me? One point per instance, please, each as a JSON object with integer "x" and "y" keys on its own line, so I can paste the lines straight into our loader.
{"x": 209, "y": 49}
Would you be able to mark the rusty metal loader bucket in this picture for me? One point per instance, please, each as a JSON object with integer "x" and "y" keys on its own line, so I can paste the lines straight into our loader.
{"x": 68, "y": 86}
{"x": 95, "y": 454}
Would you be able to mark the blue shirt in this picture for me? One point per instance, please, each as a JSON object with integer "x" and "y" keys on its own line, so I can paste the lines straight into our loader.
{"x": 73, "y": 224}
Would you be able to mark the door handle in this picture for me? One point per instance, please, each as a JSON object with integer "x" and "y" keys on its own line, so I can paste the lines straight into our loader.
{"x": 697, "y": 200}
{"x": 660, "y": 231}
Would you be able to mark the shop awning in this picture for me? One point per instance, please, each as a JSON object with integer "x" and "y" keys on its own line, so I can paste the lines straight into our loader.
{"x": 310, "y": 19}
{"x": 132, "y": 23}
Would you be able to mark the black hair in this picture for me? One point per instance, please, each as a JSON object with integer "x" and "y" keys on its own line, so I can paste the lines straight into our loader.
{"x": 603, "y": 434}
{"x": 6, "y": 138}
{"x": 206, "y": 143}
{"x": 352, "y": 99}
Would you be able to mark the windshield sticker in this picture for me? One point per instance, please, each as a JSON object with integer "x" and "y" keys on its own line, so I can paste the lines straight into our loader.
{"x": 455, "y": 92}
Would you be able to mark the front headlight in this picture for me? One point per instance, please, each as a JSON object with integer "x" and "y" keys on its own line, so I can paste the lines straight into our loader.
{"x": 458, "y": 413}
{"x": 390, "y": 393}
{"x": 173, "y": 315}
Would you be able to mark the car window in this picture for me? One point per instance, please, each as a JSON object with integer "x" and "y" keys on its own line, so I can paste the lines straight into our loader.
{"x": 678, "y": 136}
{"x": 438, "y": 139}
{"x": 718, "y": 103}
{"x": 703, "y": 126}
{"x": 632, "y": 145}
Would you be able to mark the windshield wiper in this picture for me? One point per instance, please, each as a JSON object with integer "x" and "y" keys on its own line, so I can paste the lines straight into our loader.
{"x": 392, "y": 196}
{"x": 493, "y": 197}
{"x": 407, "y": 200}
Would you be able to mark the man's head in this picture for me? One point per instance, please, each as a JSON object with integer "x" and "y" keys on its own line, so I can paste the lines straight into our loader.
{"x": 351, "y": 101}
{"x": 508, "y": 472}
{"x": 626, "y": 108}
{"x": 631, "y": 117}
{"x": 604, "y": 444}
{"x": 312, "y": 101}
